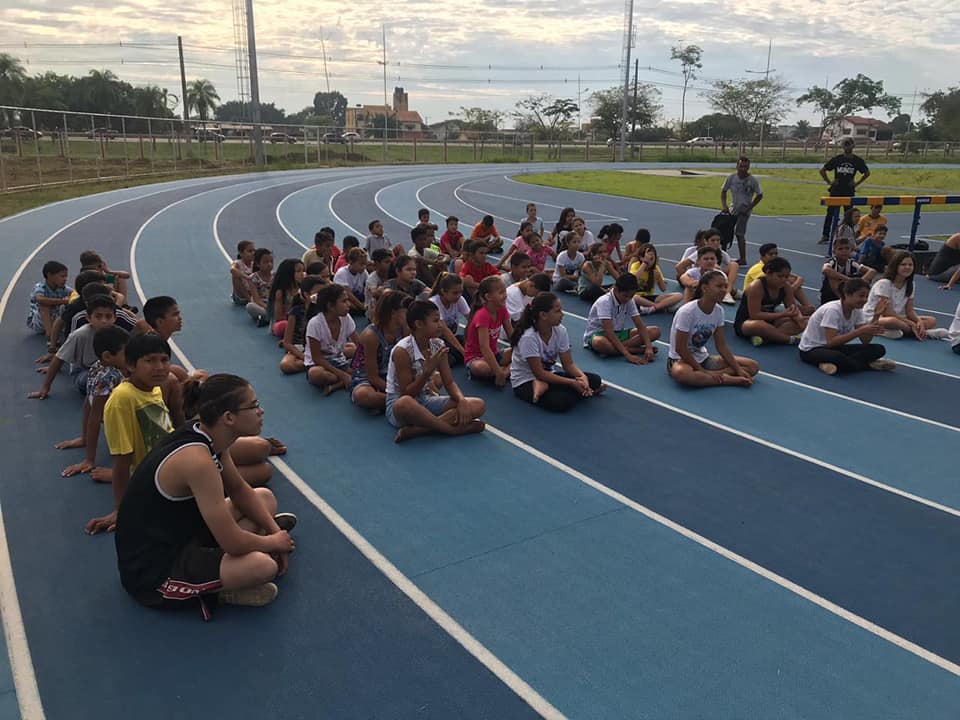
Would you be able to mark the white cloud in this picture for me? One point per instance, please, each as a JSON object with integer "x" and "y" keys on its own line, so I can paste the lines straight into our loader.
{"x": 907, "y": 44}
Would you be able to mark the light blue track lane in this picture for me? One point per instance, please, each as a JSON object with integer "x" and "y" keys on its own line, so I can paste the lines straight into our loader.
{"x": 605, "y": 612}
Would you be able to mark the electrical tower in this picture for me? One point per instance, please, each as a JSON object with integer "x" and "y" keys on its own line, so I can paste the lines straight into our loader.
{"x": 241, "y": 55}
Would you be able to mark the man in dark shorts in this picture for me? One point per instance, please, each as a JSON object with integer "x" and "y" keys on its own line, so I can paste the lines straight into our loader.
{"x": 844, "y": 184}
{"x": 747, "y": 194}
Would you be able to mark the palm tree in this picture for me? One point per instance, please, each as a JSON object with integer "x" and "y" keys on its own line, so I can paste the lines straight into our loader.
{"x": 12, "y": 80}
{"x": 202, "y": 96}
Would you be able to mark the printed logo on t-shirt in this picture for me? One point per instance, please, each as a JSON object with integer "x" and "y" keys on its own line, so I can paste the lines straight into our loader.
{"x": 700, "y": 335}
{"x": 154, "y": 422}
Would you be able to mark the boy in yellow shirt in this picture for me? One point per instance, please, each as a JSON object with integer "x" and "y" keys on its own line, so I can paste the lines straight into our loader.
{"x": 869, "y": 223}
{"x": 135, "y": 417}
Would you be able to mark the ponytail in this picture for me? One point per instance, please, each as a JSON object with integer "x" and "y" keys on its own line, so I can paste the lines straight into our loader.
{"x": 542, "y": 303}
{"x": 479, "y": 297}
{"x": 445, "y": 281}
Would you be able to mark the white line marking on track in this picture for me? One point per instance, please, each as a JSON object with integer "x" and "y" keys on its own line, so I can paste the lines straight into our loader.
{"x": 740, "y": 560}
{"x": 526, "y": 200}
{"x": 473, "y": 646}
{"x": 15, "y": 634}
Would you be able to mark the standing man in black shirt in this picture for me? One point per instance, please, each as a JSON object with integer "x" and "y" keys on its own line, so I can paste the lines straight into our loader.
{"x": 845, "y": 168}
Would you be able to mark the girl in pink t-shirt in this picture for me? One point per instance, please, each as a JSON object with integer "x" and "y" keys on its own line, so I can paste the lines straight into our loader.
{"x": 488, "y": 317}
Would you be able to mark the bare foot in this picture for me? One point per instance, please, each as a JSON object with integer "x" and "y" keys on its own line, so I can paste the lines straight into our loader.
{"x": 603, "y": 386}
{"x": 539, "y": 388}
{"x": 332, "y": 388}
{"x": 276, "y": 447}
{"x": 474, "y": 426}
{"x": 737, "y": 380}
{"x": 77, "y": 442}
{"x": 102, "y": 475}
{"x": 403, "y": 433}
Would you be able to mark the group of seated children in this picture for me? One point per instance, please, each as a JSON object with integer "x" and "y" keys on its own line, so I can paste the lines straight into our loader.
{"x": 192, "y": 519}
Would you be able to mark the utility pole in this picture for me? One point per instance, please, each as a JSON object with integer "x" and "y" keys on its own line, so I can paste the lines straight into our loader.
{"x": 323, "y": 49}
{"x": 628, "y": 42}
{"x": 386, "y": 108}
{"x": 183, "y": 80}
{"x": 636, "y": 71}
{"x": 766, "y": 79}
{"x": 254, "y": 89}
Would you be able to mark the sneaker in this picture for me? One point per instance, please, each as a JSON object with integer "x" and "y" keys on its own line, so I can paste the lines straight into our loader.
{"x": 262, "y": 321}
{"x": 939, "y": 334}
{"x": 756, "y": 341}
{"x": 728, "y": 299}
{"x": 828, "y": 368}
{"x": 823, "y": 240}
{"x": 893, "y": 334}
{"x": 256, "y": 596}
{"x": 286, "y": 520}
{"x": 883, "y": 364}
{"x": 646, "y": 309}
{"x": 795, "y": 339}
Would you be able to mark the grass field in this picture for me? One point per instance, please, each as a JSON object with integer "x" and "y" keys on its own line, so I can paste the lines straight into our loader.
{"x": 784, "y": 193}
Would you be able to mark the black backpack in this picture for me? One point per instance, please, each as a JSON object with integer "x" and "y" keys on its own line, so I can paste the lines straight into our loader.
{"x": 725, "y": 223}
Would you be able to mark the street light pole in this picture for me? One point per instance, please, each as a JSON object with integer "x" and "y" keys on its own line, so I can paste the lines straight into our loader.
{"x": 386, "y": 108}
{"x": 254, "y": 89}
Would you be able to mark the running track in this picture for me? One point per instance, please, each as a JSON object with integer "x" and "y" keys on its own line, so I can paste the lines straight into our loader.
{"x": 787, "y": 551}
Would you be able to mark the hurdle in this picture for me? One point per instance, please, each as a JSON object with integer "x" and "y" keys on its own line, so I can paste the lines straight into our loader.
{"x": 918, "y": 202}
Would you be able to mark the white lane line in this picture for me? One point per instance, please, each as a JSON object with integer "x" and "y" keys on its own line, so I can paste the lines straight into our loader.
{"x": 446, "y": 622}
{"x": 456, "y": 194}
{"x": 478, "y": 650}
{"x": 526, "y": 200}
{"x": 15, "y": 633}
{"x": 740, "y": 560}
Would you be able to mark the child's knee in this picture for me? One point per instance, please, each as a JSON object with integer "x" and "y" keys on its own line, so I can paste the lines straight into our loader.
{"x": 268, "y": 499}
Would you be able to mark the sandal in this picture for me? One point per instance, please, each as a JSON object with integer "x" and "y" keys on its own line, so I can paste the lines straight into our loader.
{"x": 276, "y": 447}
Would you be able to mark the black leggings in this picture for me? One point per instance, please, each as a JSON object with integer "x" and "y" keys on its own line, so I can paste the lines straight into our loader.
{"x": 557, "y": 398}
{"x": 592, "y": 293}
{"x": 454, "y": 356}
{"x": 847, "y": 358}
{"x": 833, "y": 211}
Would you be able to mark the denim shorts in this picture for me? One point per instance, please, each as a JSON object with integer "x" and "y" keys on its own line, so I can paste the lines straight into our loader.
{"x": 436, "y": 404}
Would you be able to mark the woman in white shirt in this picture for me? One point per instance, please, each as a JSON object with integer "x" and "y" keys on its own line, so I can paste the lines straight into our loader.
{"x": 689, "y": 362}
{"x": 897, "y": 315}
{"x": 827, "y": 341}
{"x": 539, "y": 341}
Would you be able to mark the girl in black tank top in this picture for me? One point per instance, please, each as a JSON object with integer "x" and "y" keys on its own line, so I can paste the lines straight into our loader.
{"x": 782, "y": 327}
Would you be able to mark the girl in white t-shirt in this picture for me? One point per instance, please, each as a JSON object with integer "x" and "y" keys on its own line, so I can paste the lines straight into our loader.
{"x": 827, "y": 341}
{"x": 539, "y": 341}
{"x": 447, "y": 295}
{"x": 331, "y": 341}
{"x": 566, "y": 271}
{"x": 896, "y": 314}
{"x": 689, "y": 362}
{"x": 412, "y": 406}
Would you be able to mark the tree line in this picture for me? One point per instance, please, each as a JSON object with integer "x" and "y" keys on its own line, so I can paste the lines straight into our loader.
{"x": 741, "y": 106}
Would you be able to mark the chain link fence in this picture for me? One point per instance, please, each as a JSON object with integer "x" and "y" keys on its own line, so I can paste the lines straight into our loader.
{"x": 43, "y": 147}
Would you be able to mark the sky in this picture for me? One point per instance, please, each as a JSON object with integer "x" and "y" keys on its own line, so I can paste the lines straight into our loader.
{"x": 491, "y": 53}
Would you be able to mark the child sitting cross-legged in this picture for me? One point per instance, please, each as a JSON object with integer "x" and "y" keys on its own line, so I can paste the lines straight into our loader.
{"x": 840, "y": 268}
{"x": 539, "y": 341}
{"x": 331, "y": 341}
{"x": 488, "y": 316}
{"x": 353, "y": 276}
{"x": 614, "y": 326}
{"x": 522, "y": 293}
{"x": 48, "y": 299}
{"x": 412, "y": 405}
{"x": 104, "y": 376}
{"x": 294, "y": 334}
{"x": 286, "y": 286}
{"x": 261, "y": 280}
{"x": 447, "y": 295}
{"x": 368, "y": 384}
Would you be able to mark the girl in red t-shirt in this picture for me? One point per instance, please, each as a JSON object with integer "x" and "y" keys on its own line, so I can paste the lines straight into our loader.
{"x": 488, "y": 316}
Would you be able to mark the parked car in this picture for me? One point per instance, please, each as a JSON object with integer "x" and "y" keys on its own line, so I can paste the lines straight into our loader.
{"x": 279, "y": 137}
{"x": 211, "y": 135}
{"x": 331, "y": 137}
{"x": 351, "y": 137}
{"x": 701, "y": 142}
{"x": 102, "y": 133}
{"x": 23, "y": 132}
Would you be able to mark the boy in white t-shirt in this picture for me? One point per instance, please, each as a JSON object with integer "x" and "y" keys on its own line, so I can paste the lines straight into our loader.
{"x": 520, "y": 294}
{"x": 614, "y": 326}
{"x": 353, "y": 276}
